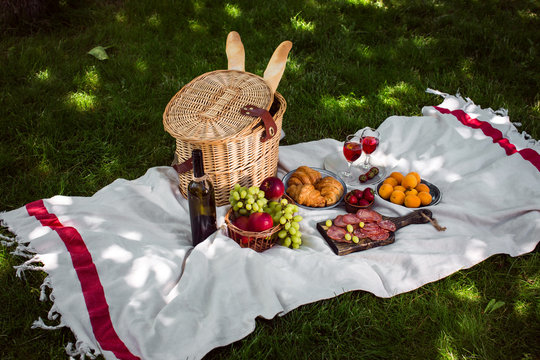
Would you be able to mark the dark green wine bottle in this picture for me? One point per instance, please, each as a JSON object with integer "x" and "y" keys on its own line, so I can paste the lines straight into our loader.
{"x": 202, "y": 201}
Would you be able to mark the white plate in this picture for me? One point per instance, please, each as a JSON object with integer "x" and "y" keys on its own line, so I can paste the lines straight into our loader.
{"x": 336, "y": 163}
{"x": 323, "y": 173}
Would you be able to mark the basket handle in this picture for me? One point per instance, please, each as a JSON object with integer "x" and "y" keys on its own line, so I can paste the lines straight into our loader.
{"x": 270, "y": 127}
{"x": 184, "y": 167}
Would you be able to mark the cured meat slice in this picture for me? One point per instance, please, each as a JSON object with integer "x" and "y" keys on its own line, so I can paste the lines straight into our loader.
{"x": 336, "y": 233}
{"x": 380, "y": 236}
{"x": 360, "y": 233}
{"x": 350, "y": 219}
{"x": 338, "y": 221}
{"x": 387, "y": 225}
{"x": 368, "y": 215}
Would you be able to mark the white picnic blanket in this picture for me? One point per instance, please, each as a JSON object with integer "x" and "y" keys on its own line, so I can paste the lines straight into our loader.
{"x": 126, "y": 280}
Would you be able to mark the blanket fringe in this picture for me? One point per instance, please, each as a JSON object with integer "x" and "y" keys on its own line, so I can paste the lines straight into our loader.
{"x": 80, "y": 350}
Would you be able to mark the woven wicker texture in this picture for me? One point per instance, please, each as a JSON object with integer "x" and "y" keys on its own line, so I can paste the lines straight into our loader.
{"x": 240, "y": 157}
{"x": 208, "y": 108}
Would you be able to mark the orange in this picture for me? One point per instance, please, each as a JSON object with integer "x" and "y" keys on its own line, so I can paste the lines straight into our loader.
{"x": 416, "y": 175}
{"x": 425, "y": 198}
{"x": 385, "y": 191}
{"x": 397, "y": 197}
{"x": 422, "y": 187}
{"x": 411, "y": 192}
{"x": 412, "y": 201}
{"x": 391, "y": 181}
{"x": 398, "y": 176}
{"x": 400, "y": 188}
{"x": 409, "y": 181}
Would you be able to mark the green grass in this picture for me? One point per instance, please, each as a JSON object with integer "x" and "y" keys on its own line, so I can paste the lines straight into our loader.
{"x": 72, "y": 124}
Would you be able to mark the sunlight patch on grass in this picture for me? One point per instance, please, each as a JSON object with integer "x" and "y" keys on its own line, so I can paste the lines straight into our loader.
{"x": 446, "y": 351}
{"x": 91, "y": 78}
{"x": 522, "y": 308}
{"x": 527, "y": 14}
{"x": 141, "y": 65}
{"x": 195, "y": 26}
{"x": 389, "y": 95}
{"x": 343, "y": 102}
{"x": 233, "y": 10}
{"x": 43, "y": 75}
{"x": 120, "y": 17}
{"x": 466, "y": 292}
{"x": 302, "y": 25}
{"x": 377, "y": 4}
{"x": 81, "y": 101}
{"x": 466, "y": 68}
{"x": 154, "y": 20}
{"x": 364, "y": 51}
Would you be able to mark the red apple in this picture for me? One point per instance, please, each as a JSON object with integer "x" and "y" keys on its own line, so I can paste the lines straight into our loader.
{"x": 273, "y": 188}
{"x": 260, "y": 221}
{"x": 242, "y": 222}
{"x": 363, "y": 202}
{"x": 358, "y": 193}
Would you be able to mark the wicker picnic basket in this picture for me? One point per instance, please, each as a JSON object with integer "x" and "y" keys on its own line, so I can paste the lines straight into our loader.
{"x": 235, "y": 119}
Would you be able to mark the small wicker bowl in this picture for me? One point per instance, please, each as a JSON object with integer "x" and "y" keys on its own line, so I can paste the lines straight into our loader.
{"x": 354, "y": 208}
{"x": 258, "y": 241}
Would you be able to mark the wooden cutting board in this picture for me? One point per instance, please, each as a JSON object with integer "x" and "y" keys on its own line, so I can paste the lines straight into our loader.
{"x": 341, "y": 248}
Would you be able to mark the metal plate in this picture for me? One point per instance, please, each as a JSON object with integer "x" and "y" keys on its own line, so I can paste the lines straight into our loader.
{"x": 323, "y": 173}
{"x": 436, "y": 195}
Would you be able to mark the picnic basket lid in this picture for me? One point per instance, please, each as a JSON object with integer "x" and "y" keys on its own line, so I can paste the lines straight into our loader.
{"x": 208, "y": 108}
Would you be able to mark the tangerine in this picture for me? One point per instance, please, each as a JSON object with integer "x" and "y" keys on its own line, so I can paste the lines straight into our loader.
{"x": 422, "y": 187}
{"x": 397, "y": 197}
{"x": 425, "y": 198}
{"x": 409, "y": 181}
{"x": 416, "y": 175}
{"x": 411, "y": 192}
{"x": 400, "y": 188}
{"x": 385, "y": 191}
{"x": 412, "y": 201}
{"x": 398, "y": 176}
{"x": 391, "y": 181}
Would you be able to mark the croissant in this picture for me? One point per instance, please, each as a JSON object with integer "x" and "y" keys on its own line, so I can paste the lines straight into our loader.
{"x": 304, "y": 175}
{"x": 330, "y": 188}
{"x": 307, "y": 195}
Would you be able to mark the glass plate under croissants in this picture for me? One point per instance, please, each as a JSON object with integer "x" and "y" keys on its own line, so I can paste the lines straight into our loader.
{"x": 331, "y": 200}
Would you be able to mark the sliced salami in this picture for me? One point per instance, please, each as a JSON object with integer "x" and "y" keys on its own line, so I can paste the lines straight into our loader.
{"x": 380, "y": 236}
{"x": 371, "y": 226}
{"x": 336, "y": 233}
{"x": 368, "y": 215}
{"x": 350, "y": 219}
{"x": 338, "y": 221}
{"x": 387, "y": 225}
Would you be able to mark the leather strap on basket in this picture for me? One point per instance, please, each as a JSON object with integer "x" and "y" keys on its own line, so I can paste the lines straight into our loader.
{"x": 269, "y": 123}
{"x": 184, "y": 167}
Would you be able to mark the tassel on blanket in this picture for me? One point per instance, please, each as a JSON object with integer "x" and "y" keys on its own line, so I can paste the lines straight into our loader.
{"x": 27, "y": 266}
{"x": 39, "y": 323}
{"x": 80, "y": 350}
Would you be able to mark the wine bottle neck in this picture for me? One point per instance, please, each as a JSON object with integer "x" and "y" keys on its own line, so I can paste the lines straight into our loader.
{"x": 198, "y": 166}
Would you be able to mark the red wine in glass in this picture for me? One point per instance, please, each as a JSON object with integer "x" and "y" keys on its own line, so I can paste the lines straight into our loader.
{"x": 352, "y": 151}
{"x": 369, "y": 144}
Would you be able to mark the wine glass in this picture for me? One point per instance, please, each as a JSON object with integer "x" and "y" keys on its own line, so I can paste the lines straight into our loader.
{"x": 370, "y": 141}
{"x": 352, "y": 149}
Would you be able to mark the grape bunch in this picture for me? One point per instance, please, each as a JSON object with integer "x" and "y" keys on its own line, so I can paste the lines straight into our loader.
{"x": 283, "y": 213}
{"x": 245, "y": 201}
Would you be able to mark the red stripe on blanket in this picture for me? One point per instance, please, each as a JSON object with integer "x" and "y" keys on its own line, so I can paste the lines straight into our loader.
{"x": 94, "y": 295}
{"x": 528, "y": 154}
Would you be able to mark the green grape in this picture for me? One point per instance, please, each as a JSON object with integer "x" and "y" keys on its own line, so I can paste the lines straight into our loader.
{"x": 237, "y": 186}
{"x": 255, "y": 207}
{"x": 295, "y": 246}
{"x": 350, "y": 228}
{"x": 287, "y": 226}
{"x": 250, "y": 200}
{"x": 248, "y": 206}
{"x": 348, "y": 236}
{"x": 253, "y": 190}
{"x": 288, "y": 216}
{"x": 240, "y": 204}
{"x": 278, "y": 207}
{"x": 243, "y": 211}
{"x": 260, "y": 194}
{"x": 299, "y": 218}
{"x": 287, "y": 241}
{"x": 261, "y": 203}
{"x": 296, "y": 239}
{"x": 328, "y": 223}
{"x": 236, "y": 207}
{"x": 292, "y": 231}
{"x": 282, "y": 234}
{"x": 361, "y": 224}
{"x": 283, "y": 220}
{"x": 295, "y": 225}
{"x": 279, "y": 214}
{"x": 298, "y": 233}
{"x": 355, "y": 239}
{"x": 283, "y": 202}
{"x": 236, "y": 195}
{"x": 243, "y": 194}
